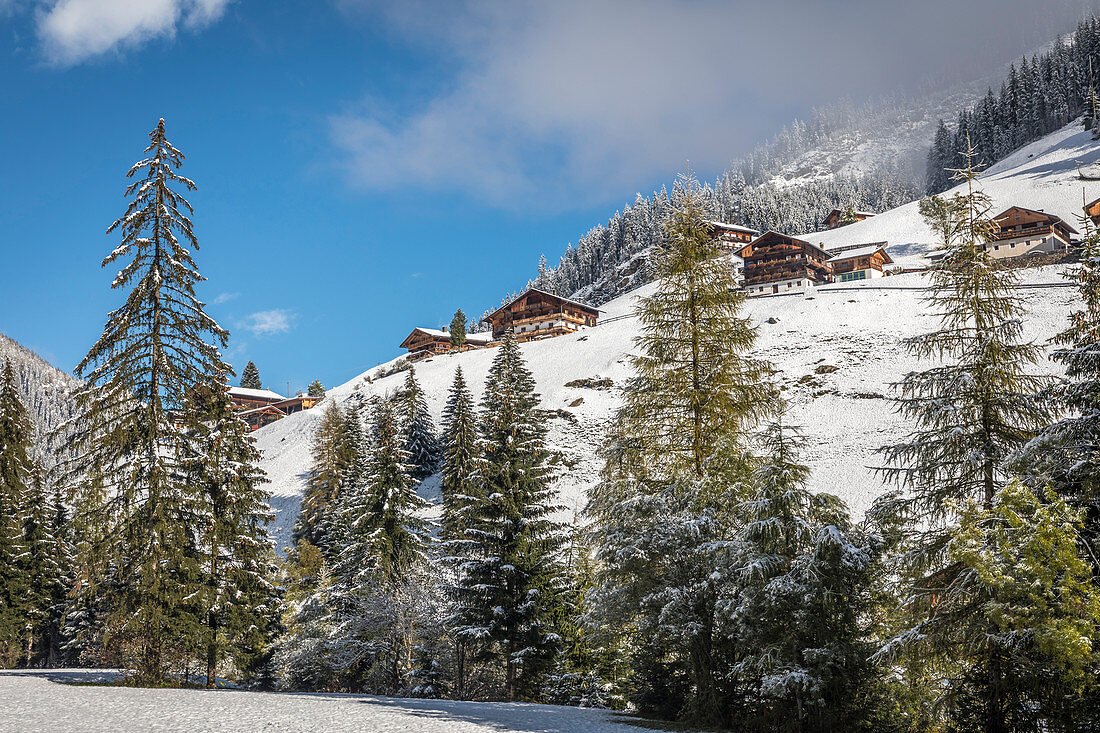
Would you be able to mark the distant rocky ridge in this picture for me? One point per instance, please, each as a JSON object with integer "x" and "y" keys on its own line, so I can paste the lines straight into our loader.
{"x": 46, "y": 392}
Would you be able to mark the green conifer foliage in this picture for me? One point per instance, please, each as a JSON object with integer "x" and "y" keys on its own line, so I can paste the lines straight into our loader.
{"x": 971, "y": 411}
{"x": 459, "y": 485}
{"x": 664, "y": 506}
{"x": 154, "y": 348}
{"x": 316, "y": 389}
{"x": 458, "y": 328}
{"x": 250, "y": 377}
{"x": 235, "y": 555}
{"x": 693, "y": 383}
{"x": 421, "y": 442}
{"x": 505, "y": 596}
{"x": 17, "y": 474}
{"x": 332, "y": 455}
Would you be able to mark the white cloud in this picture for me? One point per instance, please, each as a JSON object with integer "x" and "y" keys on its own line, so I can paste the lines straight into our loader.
{"x": 72, "y": 31}
{"x": 270, "y": 323}
{"x": 575, "y": 102}
{"x": 225, "y": 298}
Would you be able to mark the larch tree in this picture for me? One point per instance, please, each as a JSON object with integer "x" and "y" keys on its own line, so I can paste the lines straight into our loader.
{"x": 155, "y": 348}
{"x": 971, "y": 411}
{"x": 17, "y": 471}
{"x": 250, "y": 377}
{"x": 672, "y": 466}
{"x": 421, "y": 442}
{"x": 508, "y": 580}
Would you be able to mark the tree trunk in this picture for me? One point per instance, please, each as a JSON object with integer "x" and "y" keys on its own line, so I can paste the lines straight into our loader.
{"x": 212, "y": 650}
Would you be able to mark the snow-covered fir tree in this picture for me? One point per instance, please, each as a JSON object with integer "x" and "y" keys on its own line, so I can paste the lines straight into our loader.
{"x": 250, "y": 377}
{"x": 332, "y": 454}
{"x": 421, "y": 442}
{"x": 316, "y": 389}
{"x": 971, "y": 410}
{"x": 239, "y": 602}
{"x": 459, "y": 482}
{"x": 509, "y": 575}
{"x": 17, "y": 475}
{"x": 44, "y": 570}
{"x": 154, "y": 348}
{"x": 799, "y": 609}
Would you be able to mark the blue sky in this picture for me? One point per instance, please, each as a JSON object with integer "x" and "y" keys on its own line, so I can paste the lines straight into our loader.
{"x": 364, "y": 168}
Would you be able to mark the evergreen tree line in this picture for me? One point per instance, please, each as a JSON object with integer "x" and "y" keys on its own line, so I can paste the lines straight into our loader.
{"x": 145, "y": 547}
{"x": 1039, "y": 96}
{"x": 383, "y": 600}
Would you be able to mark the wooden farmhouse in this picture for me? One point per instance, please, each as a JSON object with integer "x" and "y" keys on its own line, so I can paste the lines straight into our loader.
{"x": 836, "y": 216}
{"x": 1092, "y": 211}
{"x": 261, "y": 407}
{"x": 778, "y": 263}
{"x": 731, "y": 237}
{"x": 537, "y": 314}
{"x": 858, "y": 261}
{"x": 425, "y": 342}
{"x": 1020, "y": 232}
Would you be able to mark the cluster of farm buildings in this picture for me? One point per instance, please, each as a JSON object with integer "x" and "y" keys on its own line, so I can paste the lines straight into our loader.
{"x": 773, "y": 263}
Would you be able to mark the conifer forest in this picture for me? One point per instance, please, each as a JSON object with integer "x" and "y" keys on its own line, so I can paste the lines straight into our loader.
{"x": 705, "y": 583}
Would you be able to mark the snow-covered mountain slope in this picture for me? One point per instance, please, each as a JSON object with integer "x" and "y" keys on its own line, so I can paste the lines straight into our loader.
{"x": 856, "y": 329}
{"x": 45, "y": 391}
{"x": 1042, "y": 175}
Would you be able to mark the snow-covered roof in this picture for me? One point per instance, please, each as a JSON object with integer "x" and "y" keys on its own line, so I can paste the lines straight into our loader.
{"x": 733, "y": 227}
{"x": 476, "y": 338}
{"x": 863, "y": 251}
{"x": 544, "y": 292}
{"x": 254, "y": 394}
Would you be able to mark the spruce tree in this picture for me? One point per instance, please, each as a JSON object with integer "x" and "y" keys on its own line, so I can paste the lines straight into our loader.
{"x": 316, "y": 389}
{"x": 458, "y": 328}
{"x": 381, "y": 509}
{"x": 421, "y": 442}
{"x": 42, "y": 563}
{"x": 510, "y": 575}
{"x": 155, "y": 348}
{"x": 332, "y": 454}
{"x": 461, "y": 490}
{"x": 17, "y": 474}
{"x": 459, "y": 483}
{"x": 250, "y": 377}
{"x": 235, "y": 553}
{"x": 971, "y": 411}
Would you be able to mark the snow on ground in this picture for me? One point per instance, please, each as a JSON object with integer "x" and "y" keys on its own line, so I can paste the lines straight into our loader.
{"x": 47, "y": 700}
{"x": 855, "y": 327}
{"x": 1042, "y": 175}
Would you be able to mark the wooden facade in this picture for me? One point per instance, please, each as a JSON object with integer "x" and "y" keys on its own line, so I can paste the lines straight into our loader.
{"x": 1092, "y": 211}
{"x": 423, "y": 343}
{"x": 859, "y": 261}
{"x": 731, "y": 237}
{"x": 1020, "y": 232}
{"x": 777, "y": 263}
{"x": 537, "y": 314}
{"x": 261, "y": 407}
{"x": 832, "y": 221}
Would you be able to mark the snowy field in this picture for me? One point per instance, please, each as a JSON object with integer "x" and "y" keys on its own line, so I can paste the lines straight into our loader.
{"x": 839, "y": 349}
{"x": 55, "y": 701}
